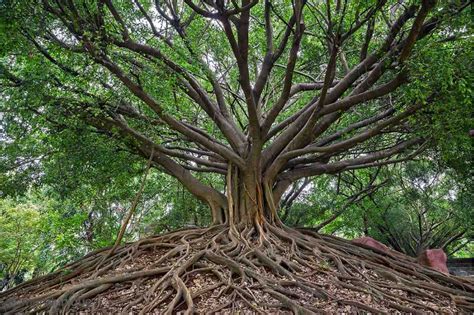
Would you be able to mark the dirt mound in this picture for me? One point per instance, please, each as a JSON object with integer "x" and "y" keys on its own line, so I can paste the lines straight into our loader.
{"x": 226, "y": 269}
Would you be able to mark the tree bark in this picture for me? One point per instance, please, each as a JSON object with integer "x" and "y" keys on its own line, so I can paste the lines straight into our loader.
{"x": 250, "y": 200}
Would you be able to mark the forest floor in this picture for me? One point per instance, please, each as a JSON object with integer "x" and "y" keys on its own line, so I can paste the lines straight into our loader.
{"x": 225, "y": 270}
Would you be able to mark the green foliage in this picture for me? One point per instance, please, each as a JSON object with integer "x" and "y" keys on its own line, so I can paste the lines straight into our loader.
{"x": 445, "y": 75}
{"x": 35, "y": 238}
{"x": 421, "y": 204}
{"x": 19, "y": 250}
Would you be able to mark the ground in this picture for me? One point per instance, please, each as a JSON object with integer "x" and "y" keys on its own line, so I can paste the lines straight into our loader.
{"x": 222, "y": 269}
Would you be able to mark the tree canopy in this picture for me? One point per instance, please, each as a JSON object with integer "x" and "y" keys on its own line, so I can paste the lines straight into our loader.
{"x": 266, "y": 93}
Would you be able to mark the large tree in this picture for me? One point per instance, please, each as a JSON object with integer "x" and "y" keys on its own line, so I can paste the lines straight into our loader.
{"x": 261, "y": 93}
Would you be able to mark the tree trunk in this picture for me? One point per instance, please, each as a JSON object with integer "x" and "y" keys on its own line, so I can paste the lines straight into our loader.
{"x": 250, "y": 200}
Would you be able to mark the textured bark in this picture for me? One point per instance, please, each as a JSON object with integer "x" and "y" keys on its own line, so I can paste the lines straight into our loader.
{"x": 249, "y": 200}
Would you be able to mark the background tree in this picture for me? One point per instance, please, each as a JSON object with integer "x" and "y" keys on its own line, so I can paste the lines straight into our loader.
{"x": 436, "y": 213}
{"x": 17, "y": 247}
{"x": 411, "y": 208}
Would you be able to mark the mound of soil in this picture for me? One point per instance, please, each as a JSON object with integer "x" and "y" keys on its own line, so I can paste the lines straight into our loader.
{"x": 225, "y": 269}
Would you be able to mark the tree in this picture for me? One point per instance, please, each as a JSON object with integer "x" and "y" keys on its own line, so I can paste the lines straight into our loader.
{"x": 411, "y": 207}
{"x": 18, "y": 249}
{"x": 328, "y": 197}
{"x": 261, "y": 94}
{"x": 435, "y": 213}
{"x": 36, "y": 238}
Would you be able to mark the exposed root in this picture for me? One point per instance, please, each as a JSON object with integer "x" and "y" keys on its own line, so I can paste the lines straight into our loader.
{"x": 223, "y": 269}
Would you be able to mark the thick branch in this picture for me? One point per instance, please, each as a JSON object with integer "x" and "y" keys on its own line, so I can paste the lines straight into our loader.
{"x": 336, "y": 167}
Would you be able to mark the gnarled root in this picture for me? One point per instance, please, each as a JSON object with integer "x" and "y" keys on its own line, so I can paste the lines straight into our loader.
{"x": 226, "y": 269}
